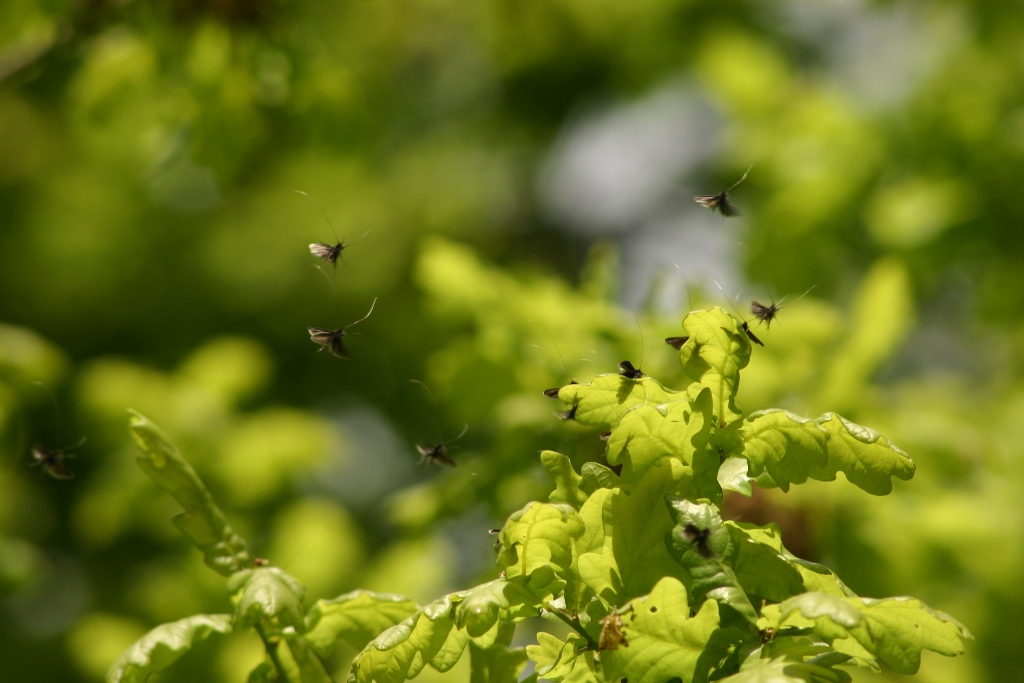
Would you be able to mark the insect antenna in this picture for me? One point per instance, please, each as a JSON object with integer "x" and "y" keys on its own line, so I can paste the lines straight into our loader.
{"x": 329, "y": 253}
{"x": 437, "y": 453}
{"x": 745, "y": 173}
{"x": 746, "y": 323}
{"x": 553, "y": 392}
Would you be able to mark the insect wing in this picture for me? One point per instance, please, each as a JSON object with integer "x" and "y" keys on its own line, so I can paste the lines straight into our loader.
{"x": 709, "y": 201}
{"x": 52, "y": 462}
{"x": 329, "y": 253}
{"x": 626, "y": 369}
{"x": 751, "y": 335}
{"x": 676, "y": 342}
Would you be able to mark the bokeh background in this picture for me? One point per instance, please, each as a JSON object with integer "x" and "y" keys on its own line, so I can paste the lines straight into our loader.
{"x": 526, "y": 174}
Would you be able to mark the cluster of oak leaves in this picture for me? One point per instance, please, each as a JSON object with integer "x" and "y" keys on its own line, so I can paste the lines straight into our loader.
{"x": 635, "y": 572}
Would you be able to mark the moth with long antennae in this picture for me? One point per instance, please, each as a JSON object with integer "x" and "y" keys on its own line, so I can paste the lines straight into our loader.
{"x": 438, "y": 453}
{"x": 51, "y": 460}
{"x": 746, "y": 325}
{"x": 626, "y": 368}
{"x": 335, "y": 339}
{"x": 767, "y": 314}
{"x": 328, "y": 253}
{"x": 721, "y": 201}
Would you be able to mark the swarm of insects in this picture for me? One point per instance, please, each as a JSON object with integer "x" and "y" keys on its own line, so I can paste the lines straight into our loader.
{"x": 335, "y": 339}
{"x": 721, "y": 201}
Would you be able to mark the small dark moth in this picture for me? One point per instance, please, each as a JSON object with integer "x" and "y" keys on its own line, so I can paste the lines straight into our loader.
{"x": 335, "y": 339}
{"x": 260, "y": 562}
{"x": 721, "y": 201}
{"x": 438, "y": 454}
{"x": 767, "y": 635}
{"x": 52, "y": 462}
{"x": 699, "y": 538}
{"x": 605, "y": 436}
{"x": 553, "y": 392}
{"x": 627, "y": 370}
{"x": 765, "y": 314}
{"x": 676, "y": 342}
{"x": 751, "y": 335}
{"x": 329, "y": 253}
{"x": 569, "y": 414}
{"x": 435, "y": 454}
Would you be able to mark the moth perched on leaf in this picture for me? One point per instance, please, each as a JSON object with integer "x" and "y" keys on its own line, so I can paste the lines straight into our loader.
{"x": 627, "y": 370}
{"x": 52, "y": 461}
{"x": 721, "y": 201}
{"x": 335, "y": 339}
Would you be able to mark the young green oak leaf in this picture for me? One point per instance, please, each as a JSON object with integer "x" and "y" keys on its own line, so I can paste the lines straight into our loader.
{"x": 537, "y": 549}
{"x": 717, "y": 350}
{"x": 783, "y": 671}
{"x": 498, "y": 663}
{"x": 604, "y": 401}
{"x": 622, "y": 553}
{"x": 786, "y": 446}
{"x": 679, "y": 430}
{"x": 268, "y": 597}
{"x": 703, "y": 546}
{"x": 894, "y": 630}
{"x": 223, "y": 550}
{"x": 665, "y": 642}
{"x": 438, "y": 633}
{"x": 867, "y": 459}
{"x": 162, "y": 646}
{"x": 756, "y": 563}
{"x": 570, "y": 488}
{"x": 307, "y": 665}
{"x": 782, "y": 449}
{"x": 355, "y": 618}
{"x": 563, "y": 662}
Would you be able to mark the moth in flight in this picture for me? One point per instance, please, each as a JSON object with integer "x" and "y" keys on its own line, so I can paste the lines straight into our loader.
{"x": 721, "y": 201}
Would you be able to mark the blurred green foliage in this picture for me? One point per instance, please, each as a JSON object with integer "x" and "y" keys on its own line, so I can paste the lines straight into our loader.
{"x": 153, "y": 255}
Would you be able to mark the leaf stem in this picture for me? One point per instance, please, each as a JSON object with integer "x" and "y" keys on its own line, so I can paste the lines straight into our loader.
{"x": 271, "y": 645}
{"x": 573, "y": 623}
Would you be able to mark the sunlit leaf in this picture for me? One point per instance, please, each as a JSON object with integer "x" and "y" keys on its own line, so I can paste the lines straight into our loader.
{"x": 783, "y": 671}
{"x": 717, "y": 350}
{"x": 268, "y": 597}
{"x": 678, "y": 430}
{"x": 498, "y": 663}
{"x": 702, "y": 544}
{"x": 537, "y": 548}
{"x": 663, "y": 642}
{"x": 162, "y": 646}
{"x": 570, "y": 487}
{"x": 866, "y": 458}
{"x": 568, "y": 661}
{"x": 623, "y": 553}
{"x": 895, "y": 630}
{"x": 785, "y": 445}
{"x": 438, "y": 633}
{"x": 356, "y": 618}
{"x": 607, "y": 398}
{"x": 203, "y": 522}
